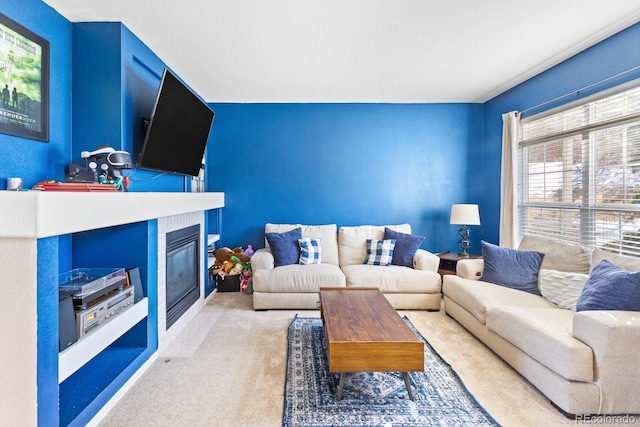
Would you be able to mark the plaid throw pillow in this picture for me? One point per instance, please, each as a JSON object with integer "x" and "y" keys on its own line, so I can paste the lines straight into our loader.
{"x": 310, "y": 251}
{"x": 379, "y": 252}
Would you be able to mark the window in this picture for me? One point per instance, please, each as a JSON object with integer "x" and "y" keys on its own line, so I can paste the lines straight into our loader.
{"x": 579, "y": 173}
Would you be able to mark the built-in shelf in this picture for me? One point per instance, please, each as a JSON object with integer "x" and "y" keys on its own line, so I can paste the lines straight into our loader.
{"x": 89, "y": 346}
{"x": 37, "y": 214}
{"x": 212, "y": 239}
{"x": 42, "y": 232}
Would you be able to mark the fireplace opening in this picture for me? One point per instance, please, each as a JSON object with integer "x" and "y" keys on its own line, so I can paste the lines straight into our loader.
{"x": 182, "y": 271}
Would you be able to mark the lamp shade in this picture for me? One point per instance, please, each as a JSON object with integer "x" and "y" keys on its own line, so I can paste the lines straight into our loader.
{"x": 465, "y": 215}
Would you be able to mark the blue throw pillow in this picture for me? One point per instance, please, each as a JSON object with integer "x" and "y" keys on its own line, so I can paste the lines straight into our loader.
{"x": 379, "y": 252}
{"x": 284, "y": 246}
{"x": 511, "y": 268}
{"x": 406, "y": 246}
{"x": 310, "y": 251}
{"x": 609, "y": 287}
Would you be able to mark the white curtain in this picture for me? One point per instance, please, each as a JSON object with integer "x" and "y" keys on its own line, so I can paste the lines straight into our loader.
{"x": 508, "y": 181}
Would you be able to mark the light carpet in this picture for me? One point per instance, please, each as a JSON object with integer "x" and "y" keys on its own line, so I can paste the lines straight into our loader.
{"x": 371, "y": 398}
{"x": 235, "y": 376}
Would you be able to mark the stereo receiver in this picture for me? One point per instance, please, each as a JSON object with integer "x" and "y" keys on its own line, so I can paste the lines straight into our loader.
{"x": 103, "y": 310}
{"x": 98, "y": 295}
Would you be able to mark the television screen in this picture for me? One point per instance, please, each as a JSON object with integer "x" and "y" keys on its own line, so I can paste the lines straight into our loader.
{"x": 177, "y": 133}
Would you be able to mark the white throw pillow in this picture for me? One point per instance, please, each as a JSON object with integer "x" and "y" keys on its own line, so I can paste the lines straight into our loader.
{"x": 561, "y": 287}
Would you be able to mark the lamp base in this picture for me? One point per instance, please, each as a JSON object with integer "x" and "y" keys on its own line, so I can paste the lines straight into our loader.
{"x": 464, "y": 241}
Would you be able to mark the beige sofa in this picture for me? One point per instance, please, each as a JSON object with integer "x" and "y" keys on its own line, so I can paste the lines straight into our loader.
{"x": 585, "y": 362}
{"x": 343, "y": 253}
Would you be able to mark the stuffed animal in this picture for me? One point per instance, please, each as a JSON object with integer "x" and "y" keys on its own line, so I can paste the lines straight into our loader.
{"x": 236, "y": 269}
{"x": 238, "y": 252}
{"x": 227, "y": 266}
{"x": 246, "y": 285}
{"x": 222, "y": 255}
{"x": 249, "y": 251}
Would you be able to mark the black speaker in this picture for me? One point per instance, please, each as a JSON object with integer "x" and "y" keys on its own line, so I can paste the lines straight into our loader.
{"x": 136, "y": 282}
{"x": 78, "y": 173}
{"x": 67, "y": 330}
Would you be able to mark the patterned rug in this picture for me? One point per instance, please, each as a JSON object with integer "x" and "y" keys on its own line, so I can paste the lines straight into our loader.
{"x": 371, "y": 399}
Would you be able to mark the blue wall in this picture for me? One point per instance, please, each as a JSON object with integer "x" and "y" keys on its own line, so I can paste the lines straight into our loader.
{"x": 320, "y": 163}
{"x": 32, "y": 160}
{"x": 384, "y": 163}
{"x": 111, "y": 113}
{"x": 611, "y": 57}
{"x": 347, "y": 164}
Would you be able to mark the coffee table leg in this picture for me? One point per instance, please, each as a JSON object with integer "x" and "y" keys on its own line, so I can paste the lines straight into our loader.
{"x": 408, "y": 384}
{"x": 340, "y": 386}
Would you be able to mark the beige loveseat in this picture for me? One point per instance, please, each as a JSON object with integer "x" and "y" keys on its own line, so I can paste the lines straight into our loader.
{"x": 585, "y": 362}
{"x": 344, "y": 251}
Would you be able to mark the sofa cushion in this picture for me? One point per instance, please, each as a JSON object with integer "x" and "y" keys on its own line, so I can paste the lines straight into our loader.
{"x": 393, "y": 278}
{"x": 627, "y": 262}
{"x": 559, "y": 256}
{"x": 327, "y": 233}
{"x": 352, "y": 241}
{"x": 310, "y": 251}
{"x": 562, "y": 288}
{"x": 477, "y": 297}
{"x": 511, "y": 268}
{"x": 379, "y": 252}
{"x": 298, "y": 278}
{"x": 546, "y": 335}
{"x": 610, "y": 287}
{"x": 284, "y": 246}
{"x": 406, "y": 246}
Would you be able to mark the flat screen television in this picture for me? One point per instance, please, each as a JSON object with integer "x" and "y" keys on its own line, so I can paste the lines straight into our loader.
{"x": 178, "y": 130}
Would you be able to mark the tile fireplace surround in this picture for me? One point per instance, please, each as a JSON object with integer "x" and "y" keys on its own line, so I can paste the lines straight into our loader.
{"x": 166, "y": 225}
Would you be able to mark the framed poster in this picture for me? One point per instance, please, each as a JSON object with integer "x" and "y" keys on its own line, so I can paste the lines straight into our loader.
{"x": 24, "y": 82}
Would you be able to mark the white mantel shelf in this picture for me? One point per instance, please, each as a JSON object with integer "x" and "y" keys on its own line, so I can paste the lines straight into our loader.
{"x": 38, "y": 214}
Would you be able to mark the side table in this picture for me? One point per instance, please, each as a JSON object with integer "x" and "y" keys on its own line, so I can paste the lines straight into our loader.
{"x": 449, "y": 261}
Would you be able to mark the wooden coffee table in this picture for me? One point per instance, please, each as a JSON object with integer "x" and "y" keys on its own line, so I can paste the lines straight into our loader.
{"x": 364, "y": 333}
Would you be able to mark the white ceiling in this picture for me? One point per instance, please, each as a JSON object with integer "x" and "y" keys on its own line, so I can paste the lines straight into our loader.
{"x": 359, "y": 50}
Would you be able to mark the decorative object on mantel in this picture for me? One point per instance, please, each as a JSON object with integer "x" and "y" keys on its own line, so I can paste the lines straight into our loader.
{"x": 464, "y": 214}
{"x": 371, "y": 398}
{"x": 106, "y": 165}
{"x": 14, "y": 184}
{"x": 73, "y": 186}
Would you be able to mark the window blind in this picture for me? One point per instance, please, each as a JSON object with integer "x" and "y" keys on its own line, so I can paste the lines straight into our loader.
{"x": 579, "y": 174}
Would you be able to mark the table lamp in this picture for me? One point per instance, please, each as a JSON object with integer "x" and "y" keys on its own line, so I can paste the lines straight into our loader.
{"x": 464, "y": 214}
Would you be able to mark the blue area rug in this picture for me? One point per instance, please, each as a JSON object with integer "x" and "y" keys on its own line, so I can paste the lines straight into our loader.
{"x": 371, "y": 398}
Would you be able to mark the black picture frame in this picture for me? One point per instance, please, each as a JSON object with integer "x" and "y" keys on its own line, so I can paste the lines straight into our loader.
{"x": 24, "y": 82}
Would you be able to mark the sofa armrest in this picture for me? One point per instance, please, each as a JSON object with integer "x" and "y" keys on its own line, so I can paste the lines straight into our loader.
{"x": 613, "y": 336}
{"x": 425, "y": 260}
{"x": 470, "y": 268}
{"x": 262, "y": 259}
